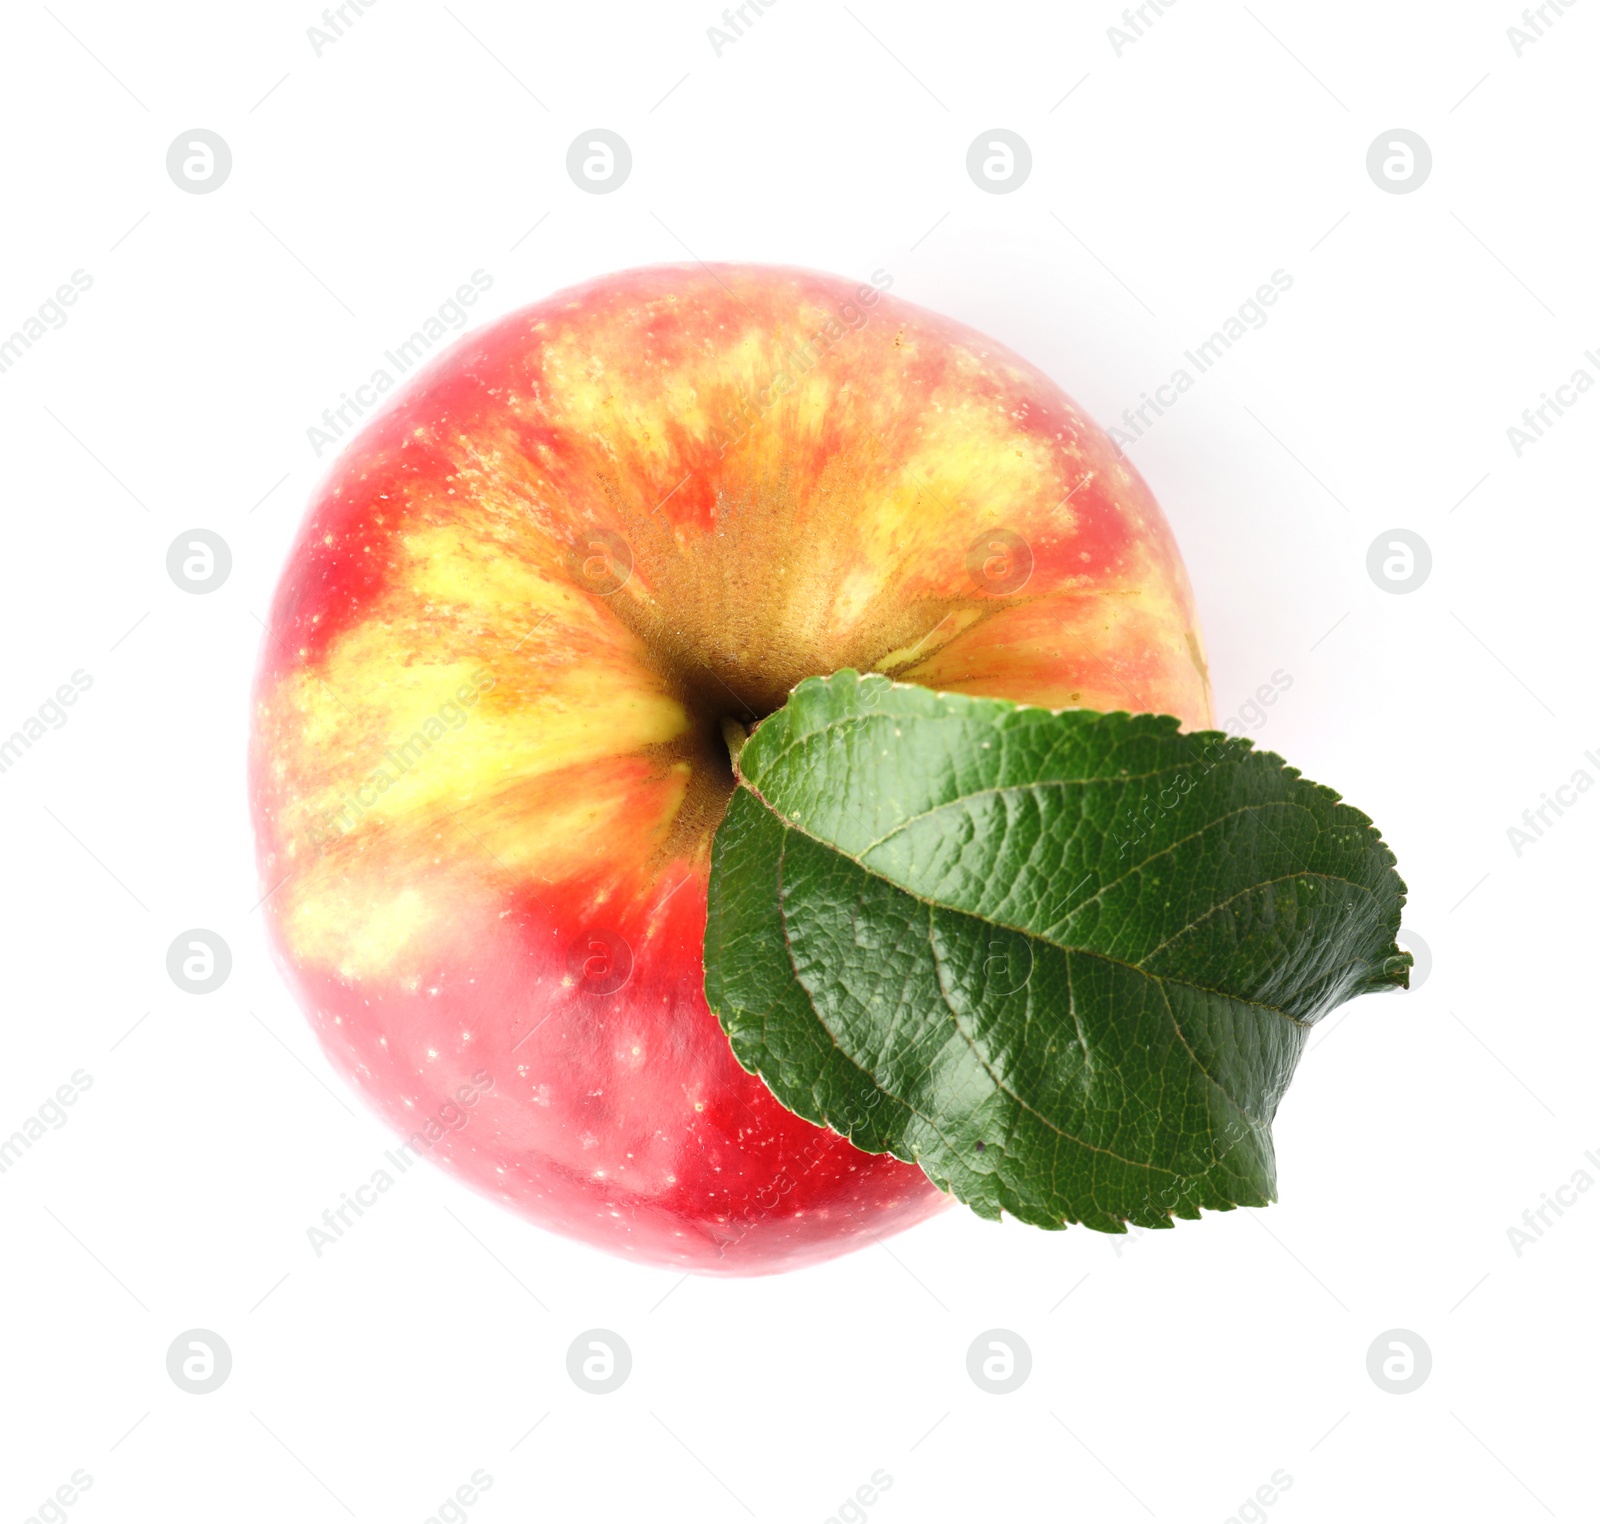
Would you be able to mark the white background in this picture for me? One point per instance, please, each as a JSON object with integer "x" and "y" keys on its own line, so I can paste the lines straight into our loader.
{"x": 1173, "y": 1373}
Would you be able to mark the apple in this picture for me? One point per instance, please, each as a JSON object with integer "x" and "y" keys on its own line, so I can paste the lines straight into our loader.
{"x": 487, "y": 756}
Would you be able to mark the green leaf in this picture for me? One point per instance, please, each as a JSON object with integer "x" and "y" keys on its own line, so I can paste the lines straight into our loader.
{"x": 1065, "y": 961}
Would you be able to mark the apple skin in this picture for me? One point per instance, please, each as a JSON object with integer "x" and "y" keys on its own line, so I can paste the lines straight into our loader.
{"x": 486, "y": 759}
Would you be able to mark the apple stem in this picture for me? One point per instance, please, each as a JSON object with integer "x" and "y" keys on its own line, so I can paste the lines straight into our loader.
{"x": 735, "y": 735}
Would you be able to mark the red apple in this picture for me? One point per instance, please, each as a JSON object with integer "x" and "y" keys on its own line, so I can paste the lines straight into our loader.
{"x": 487, "y": 761}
